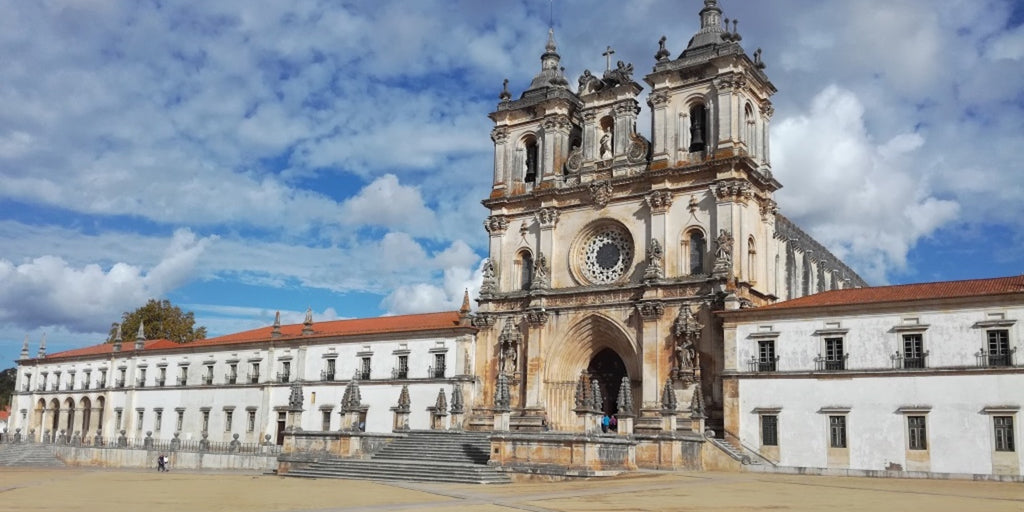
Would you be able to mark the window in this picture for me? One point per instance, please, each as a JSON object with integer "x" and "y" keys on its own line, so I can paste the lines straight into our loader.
{"x": 208, "y": 378}
{"x": 117, "y": 419}
{"x": 437, "y": 371}
{"x": 232, "y": 374}
{"x": 834, "y": 357}
{"x": 206, "y": 421}
{"x": 750, "y": 136}
{"x": 766, "y": 359}
{"x": 999, "y": 353}
{"x": 121, "y": 379}
{"x": 837, "y": 431}
{"x": 254, "y": 373}
{"x": 1004, "y": 433}
{"x": 103, "y": 379}
{"x": 328, "y": 373}
{"x": 286, "y": 371}
{"x": 751, "y": 260}
{"x": 698, "y": 247}
{"x": 403, "y": 367}
{"x": 531, "y": 167}
{"x": 525, "y": 263}
{"x": 181, "y": 420}
{"x": 916, "y": 435}
{"x": 364, "y": 368}
{"x": 325, "y": 422}
{"x": 183, "y": 376}
{"x": 86, "y": 381}
{"x": 142, "y": 378}
{"x": 769, "y": 430}
{"x": 138, "y": 424}
{"x": 250, "y": 423}
{"x": 162, "y": 377}
{"x": 158, "y": 419}
{"x": 698, "y": 128}
{"x": 913, "y": 351}
{"x": 228, "y": 417}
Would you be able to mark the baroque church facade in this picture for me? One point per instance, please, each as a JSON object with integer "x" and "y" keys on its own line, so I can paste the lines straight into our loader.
{"x": 631, "y": 276}
{"x": 609, "y": 251}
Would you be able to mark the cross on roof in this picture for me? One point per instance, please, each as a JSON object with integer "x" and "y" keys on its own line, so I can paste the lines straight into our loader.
{"x": 608, "y": 58}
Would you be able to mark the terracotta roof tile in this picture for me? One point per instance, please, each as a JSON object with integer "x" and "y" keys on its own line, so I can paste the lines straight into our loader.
{"x": 904, "y": 292}
{"x": 358, "y": 326}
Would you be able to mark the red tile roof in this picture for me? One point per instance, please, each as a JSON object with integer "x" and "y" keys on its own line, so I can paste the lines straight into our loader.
{"x": 358, "y": 326}
{"x": 904, "y": 292}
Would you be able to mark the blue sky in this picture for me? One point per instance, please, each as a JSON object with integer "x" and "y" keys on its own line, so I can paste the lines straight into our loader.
{"x": 240, "y": 158}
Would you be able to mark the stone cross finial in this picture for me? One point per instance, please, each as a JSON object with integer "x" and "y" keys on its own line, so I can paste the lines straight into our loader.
{"x": 625, "y": 401}
{"x": 608, "y": 58}
{"x": 404, "y": 402}
{"x": 458, "y": 406}
{"x": 596, "y": 400}
{"x": 668, "y": 396}
{"x": 505, "y": 94}
{"x": 441, "y": 404}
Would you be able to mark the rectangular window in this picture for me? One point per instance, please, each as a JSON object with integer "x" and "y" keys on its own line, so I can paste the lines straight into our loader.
{"x": 325, "y": 423}
{"x": 364, "y": 370}
{"x": 138, "y": 424}
{"x": 162, "y": 377}
{"x": 402, "y": 372}
{"x": 329, "y": 371}
{"x": 766, "y": 356}
{"x": 86, "y": 381}
{"x": 769, "y": 430}
{"x": 142, "y": 378}
{"x": 913, "y": 351}
{"x": 834, "y": 357}
{"x": 999, "y": 347}
{"x": 208, "y": 378}
{"x": 250, "y": 424}
{"x": 837, "y": 431}
{"x": 917, "y": 438}
{"x": 286, "y": 371}
{"x": 233, "y": 374}
{"x": 228, "y": 417}
{"x": 180, "y": 422}
{"x": 1004, "y": 433}
{"x": 118, "y": 419}
{"x": 206, "y": 421}
{"x": 121, "y": 379}
{"x": 158, "y": 420}
{"x": 183, "y": 376}
{"x": 254, "y": 373}
{"x": 438, "y": 366}
{"x": 103, "y": 379}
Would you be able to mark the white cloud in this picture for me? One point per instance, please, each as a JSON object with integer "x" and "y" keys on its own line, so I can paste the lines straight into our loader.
{"x": 859, "y": 197}
{"x": 385, "y": 202}
{"x": 48, "y": 291}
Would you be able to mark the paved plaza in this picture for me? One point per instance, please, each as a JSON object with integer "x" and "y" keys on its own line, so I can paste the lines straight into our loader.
{"x": 68, "y": 490}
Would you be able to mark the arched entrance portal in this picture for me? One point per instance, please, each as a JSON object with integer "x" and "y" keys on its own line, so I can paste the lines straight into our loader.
{"x": 608, "y": 370}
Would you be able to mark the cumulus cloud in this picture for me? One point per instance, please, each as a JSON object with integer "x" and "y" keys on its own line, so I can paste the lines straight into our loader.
{"x": 859, "y": 197}
{"x": 426, "y": 297}
{"x": 48, "y": 291}
{"x": 387, "y": 203}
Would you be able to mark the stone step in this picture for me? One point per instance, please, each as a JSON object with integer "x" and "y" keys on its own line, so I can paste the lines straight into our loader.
{"x": 26, "y": 454}
{"x": 401, "y": 470}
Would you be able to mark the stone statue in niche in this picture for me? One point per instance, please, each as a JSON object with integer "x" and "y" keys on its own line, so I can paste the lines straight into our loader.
{"x": 723, "y": 251}
{"x": 508, "y": 348}
{"x": 687, "y": 331}
{"x": 541, "y": 273}
{"x": 606, "y": 144}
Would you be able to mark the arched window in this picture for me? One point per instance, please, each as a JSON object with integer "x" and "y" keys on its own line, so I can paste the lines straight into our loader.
{"x": 751, "y": 127}
{"x": 531, "y": 160}
{"x": 751, "y": 260}
{"x": 524, "y": 262}
{"x": 606, "y": 143}
{"x": 698, "y": 127}
{"x": 698, "y": 248}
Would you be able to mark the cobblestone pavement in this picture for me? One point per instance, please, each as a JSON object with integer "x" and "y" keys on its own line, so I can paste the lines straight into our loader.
{"x": 86, "y": 489}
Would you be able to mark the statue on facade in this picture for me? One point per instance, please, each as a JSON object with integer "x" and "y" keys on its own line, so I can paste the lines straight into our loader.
{"x": 508, "y": 348}
{"x": 541, "y": 273}
{"x": 622, "y": 74}
{"x": 588, "y": 83}
{"x": 490, "y": 283}
{"x": 655, "y": 254}
{"x": 687, "y": 331}
{"x": 606, "y": 144}
{"x": 723, "y": 252}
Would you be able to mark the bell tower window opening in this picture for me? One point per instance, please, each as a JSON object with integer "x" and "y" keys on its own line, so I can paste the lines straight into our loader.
{"x": 751, "y": 128}
{"x": 698, "y": 128}
{"x": 606, "y": 144}
{"x": 698, "y": 247}
{"x": 524, "y": 269}
{"x": 751, "y": 260}
{"x": 531, "y": 159}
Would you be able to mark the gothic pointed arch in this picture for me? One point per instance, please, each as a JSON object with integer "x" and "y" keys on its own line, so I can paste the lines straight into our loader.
{"x": 580, "y": 343}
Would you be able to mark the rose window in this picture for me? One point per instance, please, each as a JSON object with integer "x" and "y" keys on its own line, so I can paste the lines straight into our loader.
{"x": 607, "y": 255}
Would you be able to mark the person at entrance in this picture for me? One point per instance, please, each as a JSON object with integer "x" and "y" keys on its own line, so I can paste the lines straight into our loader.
{"x": 613, "y": 424}
{"x": 605, "y": 422}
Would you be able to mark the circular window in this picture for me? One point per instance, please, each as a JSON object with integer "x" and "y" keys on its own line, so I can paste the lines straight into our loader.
{"x": 606, "y": 255}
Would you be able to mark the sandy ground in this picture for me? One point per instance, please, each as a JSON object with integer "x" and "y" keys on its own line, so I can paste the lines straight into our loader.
{"x": 69, "y": 490}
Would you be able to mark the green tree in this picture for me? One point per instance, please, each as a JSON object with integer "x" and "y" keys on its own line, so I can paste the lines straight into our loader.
{"x": 161, "y": 320}
{"x": 7, "y": 378}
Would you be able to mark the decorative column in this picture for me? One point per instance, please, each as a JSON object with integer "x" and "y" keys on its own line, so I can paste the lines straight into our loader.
{"x": 500, "y": 136}
{"x": 402, "y": 410}
{"x": 495, "y": 226}
{"x": 659, "y": 202}
{"x": 502, "y": 411}
{"x": 294, "y": 418}
{"x": 625, "y": 403}
{"x": 650, "y": 312}
{"x": 556, "y": 146}
{"x": 458, "y": 407}
{"x": 669, "y": 407}
{"x": 662, "y": 126}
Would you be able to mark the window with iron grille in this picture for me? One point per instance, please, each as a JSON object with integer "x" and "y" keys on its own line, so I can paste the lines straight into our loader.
{"x": 181, "y": 421}
{"x": 254, "y": 373}
{"x": 364, "y": 369}
{"x": 999, "y": 347}
{"x": 138, "y": 424}
{"x": 158, "y": 420}
{"x": 1004, "y": 433}
{"x": 837, "y": 431}
{"x": 331, "y": 366}
{"x": 438, "y": 366}
{"x": 834, "y": 359}
{"x": 117, "y": 419}
{"x": 766, "y": 356}
{"x": 913, "y": 351}
{"x": 403, "y": 367}
{"x": 325, "y": 422}
{"x": 206, "y": 421}
{"x": 917, "y": 438}
{"x": 228, "y": 420}
{"x": 769, "y": 430}
{"x": 250, "y": 424}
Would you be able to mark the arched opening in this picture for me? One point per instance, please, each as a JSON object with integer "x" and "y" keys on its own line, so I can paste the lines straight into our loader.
{"x": 751, "y": 260}
{"x": 750, "y": 136}
{"x": 531, "y": 159}
{"x": 524, "y": 269}
{"x": 608, "y": 370}
{"x": 698, "y": 248}
{"x": 606, "y": 145}
{"x": 69, "y": 425}
{"x": 86, "y": 406}
{"x": 101, "y": 406}
{"x": 698, "y": 127}
{"x": 54, "y": 417}
{"x": 40, "y": 413}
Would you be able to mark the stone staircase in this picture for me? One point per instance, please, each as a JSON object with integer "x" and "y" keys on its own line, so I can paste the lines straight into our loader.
{"x": 423, "y": 455}
{"x": 28, "y": 454}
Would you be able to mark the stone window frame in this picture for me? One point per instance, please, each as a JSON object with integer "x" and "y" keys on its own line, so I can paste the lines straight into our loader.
{"x": 832, "y": 413}
{"x": 250, "y": 420}
{"x": 995, "y": 322}
{"x": 915, "y": 411}
{"x": 762, "y": 413}
{"x": 179, "y": 422}
{"x": 910, "y": 326}
{"x": 158, "y": 417}
{"x": 1003, "y": 411}
{"x": 229, "y": 413}
{"x": 140, "y": 416}
{"x": 364, "y": 370}
{"x": 326, "y": 411}
{"x": 831, "y": 331}
{"x": 401, "y": 370}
